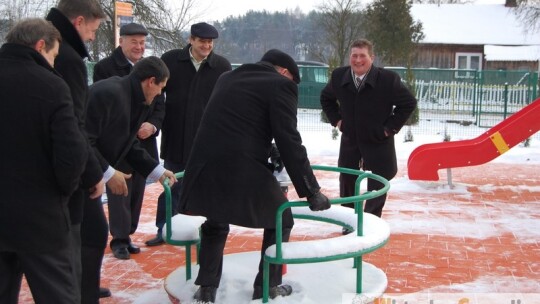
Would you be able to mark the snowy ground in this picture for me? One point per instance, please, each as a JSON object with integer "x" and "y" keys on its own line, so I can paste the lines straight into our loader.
{"x": 321, "y": 146}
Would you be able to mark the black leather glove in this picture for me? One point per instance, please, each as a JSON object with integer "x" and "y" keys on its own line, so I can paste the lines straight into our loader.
{"x": 275, "y": 158}
{"x": 318, "y": 202}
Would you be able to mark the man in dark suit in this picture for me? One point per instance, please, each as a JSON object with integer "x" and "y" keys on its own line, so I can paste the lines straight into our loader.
{"x": 77, "y": 21}
{"x": 227, "y": 178}
{"x": 194, "y": 72}
{"x": 373, "y": 106}
{"x": 43, "y": 156}
{"x": 116, "y": 108}
{"x": 124, "y": 211}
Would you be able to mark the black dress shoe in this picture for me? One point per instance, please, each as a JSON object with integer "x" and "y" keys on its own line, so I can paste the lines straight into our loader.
{"x": 276, "y": 291}
{"x": 156, "y": 241}
{"x": 133, "y": 249}
{"x": 346, "y": 231}
{"x": 104, "y": 292}
{"x": 121, "y": 253}
{"x": 205, "y": 294}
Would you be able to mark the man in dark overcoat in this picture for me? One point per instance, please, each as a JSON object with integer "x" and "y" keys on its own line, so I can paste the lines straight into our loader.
{"x": 194, "y": 72}
{"x": 43, "y": 156}
{"x": 116, "y": 108}
{"x": 227, "y": 178}
{"x": 369, "y": 105}
{"x": 77, "y": 21}
{"x": 125, "y": 211}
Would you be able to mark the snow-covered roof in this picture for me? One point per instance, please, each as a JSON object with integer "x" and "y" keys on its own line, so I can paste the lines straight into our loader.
{"x": 512, "y": 53}
{"x": 472, "y": 24}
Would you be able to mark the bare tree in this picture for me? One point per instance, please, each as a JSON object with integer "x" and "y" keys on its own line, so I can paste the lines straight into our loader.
{"x": 12, "y": 11}
{"x": 442, "y": 1}
{"x": 164, "y": 22}
{"x": 528, "y": 11}
{"x": 341, "y": 20}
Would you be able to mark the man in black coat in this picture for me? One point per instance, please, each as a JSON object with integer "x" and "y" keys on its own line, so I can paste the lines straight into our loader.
{"x": 43, "y": 156}
{"x": 124, "y": 211}
{"x": 369, "y": 105}
{"x": 194, "y": 72}
{"x": 227, "y": 178}
{"x": 77, "y": 21}
{"x": 116, "y": 108}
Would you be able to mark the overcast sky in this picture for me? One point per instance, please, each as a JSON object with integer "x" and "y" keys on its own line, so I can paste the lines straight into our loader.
{"x": 212, "y": 10}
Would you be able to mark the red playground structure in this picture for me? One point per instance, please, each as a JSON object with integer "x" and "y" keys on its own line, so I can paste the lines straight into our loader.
{"x": 426, "y": 160}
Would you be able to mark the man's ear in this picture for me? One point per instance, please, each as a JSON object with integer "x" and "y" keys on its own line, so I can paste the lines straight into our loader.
{"x": 77, "y": 21}
{"x": 148, "y": 82}
{"x": 151, "y": 80}
{"x": 40, "y": 45}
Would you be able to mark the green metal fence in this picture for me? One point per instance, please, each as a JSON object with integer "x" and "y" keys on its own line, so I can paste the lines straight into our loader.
{"x": 457, "y": 104}
{"x": 464, "y": 102}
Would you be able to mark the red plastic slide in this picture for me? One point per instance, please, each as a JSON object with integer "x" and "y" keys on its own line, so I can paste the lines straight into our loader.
{"x": 426, "y": 160}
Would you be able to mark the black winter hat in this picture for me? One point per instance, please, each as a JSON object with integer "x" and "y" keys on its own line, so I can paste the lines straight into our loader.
{"x": 279, "y": 58}
{"x": 133, "y": 29}
{"x": 204, "y": 30}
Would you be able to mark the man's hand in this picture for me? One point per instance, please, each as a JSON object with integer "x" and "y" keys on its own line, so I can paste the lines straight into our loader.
{"x": 318, "y": 202}
{"x": 97, "y": 190}
{"x": 146, "y": 130}
{"x": 117, "y": 183}
{"x": 170, "y": 175}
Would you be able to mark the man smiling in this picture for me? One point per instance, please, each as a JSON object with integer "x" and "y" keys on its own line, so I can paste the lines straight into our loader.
{"x": 124, "y": 211}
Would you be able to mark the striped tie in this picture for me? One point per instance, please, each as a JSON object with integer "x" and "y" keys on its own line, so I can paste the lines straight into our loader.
{"x": 358, "y": 82}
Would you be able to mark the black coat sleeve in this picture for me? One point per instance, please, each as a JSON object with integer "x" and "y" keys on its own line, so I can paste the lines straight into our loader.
{"x": 283, "y": 111}
{"x": 158, "y": 113}
{"x": 329, "y": 102}
{"x": 404, "y": 104}
{"x": 73, "y": 71}
{"x": 99, "y": 72}
{"x": 69, "y": 145}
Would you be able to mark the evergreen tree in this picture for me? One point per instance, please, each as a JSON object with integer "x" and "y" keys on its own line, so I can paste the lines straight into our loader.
{"x": 391, "y": 28}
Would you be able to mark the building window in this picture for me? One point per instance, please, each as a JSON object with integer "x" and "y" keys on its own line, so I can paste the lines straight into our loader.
{"x": 468, "y": 61}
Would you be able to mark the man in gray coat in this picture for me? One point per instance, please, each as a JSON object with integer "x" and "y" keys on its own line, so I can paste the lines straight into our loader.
{"x": 227, "y": 178}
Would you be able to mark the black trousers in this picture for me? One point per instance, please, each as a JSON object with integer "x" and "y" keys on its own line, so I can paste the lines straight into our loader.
{"x": 75, "y": 250}
{"x": 125, "y": 211}
{"x": 175, "y": 195}
{"x": 49, "y": 275}
{"x": 379, "y": 158}
{"x": 213, "y": 238}
{"x": 94, "y": 233}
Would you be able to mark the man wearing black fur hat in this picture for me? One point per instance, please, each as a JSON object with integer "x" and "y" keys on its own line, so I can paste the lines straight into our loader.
{"x": 194, "y": 72}
{"x": 227, "y": 179}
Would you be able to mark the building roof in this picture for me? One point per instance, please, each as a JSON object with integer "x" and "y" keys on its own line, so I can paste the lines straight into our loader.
{"x": 470, "y": 24}
{"x": 512, "y": 53}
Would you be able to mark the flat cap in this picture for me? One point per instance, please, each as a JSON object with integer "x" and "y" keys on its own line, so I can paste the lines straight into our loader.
{"x": 279, "y": 58}
{"x": 204, "y": 30}
{"x": 133, "y": 29}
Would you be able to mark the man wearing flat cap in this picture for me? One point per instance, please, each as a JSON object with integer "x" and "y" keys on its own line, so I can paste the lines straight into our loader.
{"x": 227, "y": 179}
{"x": 194, "y": 72}
{"x": 125, "y": 210}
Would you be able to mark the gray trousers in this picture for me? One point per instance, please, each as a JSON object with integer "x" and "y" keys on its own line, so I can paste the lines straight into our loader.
{"x": 125, "y": 211}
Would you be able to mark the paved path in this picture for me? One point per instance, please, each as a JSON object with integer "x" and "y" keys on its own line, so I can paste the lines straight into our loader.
{"x": 483, "y": 235}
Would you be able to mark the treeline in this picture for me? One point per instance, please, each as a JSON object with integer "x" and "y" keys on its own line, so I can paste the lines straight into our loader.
{"x": 245, "y": 38}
